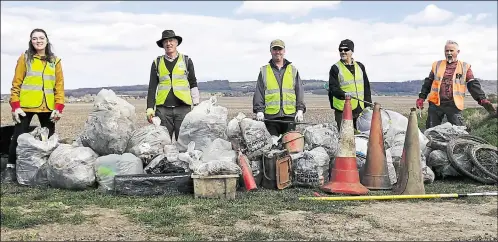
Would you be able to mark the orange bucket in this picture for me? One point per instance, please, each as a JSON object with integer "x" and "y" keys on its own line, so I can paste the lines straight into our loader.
{"x": 293, "y": 141}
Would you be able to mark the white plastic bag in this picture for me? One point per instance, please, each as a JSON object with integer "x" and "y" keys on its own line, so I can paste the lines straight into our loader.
{"x": 33, "y": 150}
{"x": 323, "y": 135}
{"x": 110, "y": 124}
{"x": 205, "y": 123}
{"x": 256, "y": 137}
{"x": 364, "y": 121}
{"x": 217, "y": 159}
{"x": 71, "y": 167}
{"x": 310, "y": 168}
{"x": 106, "y": 167}
{"x": 148, "y": 142}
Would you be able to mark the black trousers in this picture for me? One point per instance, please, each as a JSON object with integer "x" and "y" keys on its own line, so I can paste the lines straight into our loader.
{"x": 23, "y": 127}
{"x": 172, "y": 118}
{"x": 437, "y": 113}
{"x": 276, "y": 128}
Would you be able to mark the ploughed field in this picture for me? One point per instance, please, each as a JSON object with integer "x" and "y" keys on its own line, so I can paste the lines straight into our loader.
{"x": 53, "y": 214}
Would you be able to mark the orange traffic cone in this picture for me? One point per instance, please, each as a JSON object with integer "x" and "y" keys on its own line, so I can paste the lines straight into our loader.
{"x": 344, "y": 176}
{"x": 375, "y": 175}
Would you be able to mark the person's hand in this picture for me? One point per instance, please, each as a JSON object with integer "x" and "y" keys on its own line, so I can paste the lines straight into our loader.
{"x": 150, "y": 114}
{"x": 484, "y": 102}
{"x": 196, "y": 96}
{"x": 56, "y": 113}
{"x": 488, "y": 106}
{"x": 16, "y": 113}
{"x": 55, "y": 116}
{"x": 260, "y": 116}
{"x": 299, "y": 116}
{"x": 420, "y": 103}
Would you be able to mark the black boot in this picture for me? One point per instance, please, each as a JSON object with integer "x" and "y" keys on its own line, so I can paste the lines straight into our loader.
{"x": 9, "y": 175}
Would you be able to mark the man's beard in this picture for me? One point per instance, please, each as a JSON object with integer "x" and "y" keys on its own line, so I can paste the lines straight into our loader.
{"x": 449, "y": 59}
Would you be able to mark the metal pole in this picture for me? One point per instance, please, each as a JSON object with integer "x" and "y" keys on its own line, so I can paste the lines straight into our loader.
{"x": 398, "y": 197}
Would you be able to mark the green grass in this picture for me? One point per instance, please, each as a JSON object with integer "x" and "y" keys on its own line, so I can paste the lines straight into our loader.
{"x": 172, "y": 216}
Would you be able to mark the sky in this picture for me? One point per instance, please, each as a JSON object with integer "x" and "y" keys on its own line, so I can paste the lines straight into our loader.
{"x": 112, "y": 43}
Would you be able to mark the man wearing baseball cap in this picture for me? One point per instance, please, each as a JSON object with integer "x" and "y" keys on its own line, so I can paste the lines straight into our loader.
{"x": 348, "y": 76}
{"x": 172, "y": 85}
{"x": 279, "y": 96}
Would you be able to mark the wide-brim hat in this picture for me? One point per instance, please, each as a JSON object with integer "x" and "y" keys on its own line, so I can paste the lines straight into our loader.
{"x": 167, "y": 34}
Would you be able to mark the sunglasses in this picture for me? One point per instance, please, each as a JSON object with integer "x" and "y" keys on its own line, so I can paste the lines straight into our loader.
{"x": 344, "y": 49}
{"x": 277, "y": 48}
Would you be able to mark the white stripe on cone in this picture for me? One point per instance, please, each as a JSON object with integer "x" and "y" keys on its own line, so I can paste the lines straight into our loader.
{"x": 347, "y": 144}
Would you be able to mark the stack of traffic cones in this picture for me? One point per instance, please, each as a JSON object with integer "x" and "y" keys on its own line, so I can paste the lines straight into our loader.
{"x": 410, "y": 178}
{"x": 375, "y": 175}
{"x": 344, "y": 176}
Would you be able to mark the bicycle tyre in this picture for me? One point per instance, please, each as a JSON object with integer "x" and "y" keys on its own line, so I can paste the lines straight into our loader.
{"x": 472, "y": 153}
{"x": 460, "y": 169}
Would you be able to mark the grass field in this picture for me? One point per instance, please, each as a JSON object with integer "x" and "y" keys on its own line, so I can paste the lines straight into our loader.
{"x": 53, "y": 214}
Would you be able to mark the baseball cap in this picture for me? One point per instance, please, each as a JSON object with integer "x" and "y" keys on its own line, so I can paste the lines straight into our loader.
{"x": 277, "y": 43}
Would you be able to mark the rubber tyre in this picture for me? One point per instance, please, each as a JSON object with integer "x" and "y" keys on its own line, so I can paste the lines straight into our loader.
{"x": 472, "y": 153}
{"x": 461, "y": 170}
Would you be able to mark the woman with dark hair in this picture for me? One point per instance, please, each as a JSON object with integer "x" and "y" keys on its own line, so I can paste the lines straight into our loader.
{"x": 37, "y": 88}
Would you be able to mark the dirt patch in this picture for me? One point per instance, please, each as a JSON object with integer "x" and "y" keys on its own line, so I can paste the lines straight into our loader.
{"x": 101, "y": 224}
{"x": 387, "y": 221}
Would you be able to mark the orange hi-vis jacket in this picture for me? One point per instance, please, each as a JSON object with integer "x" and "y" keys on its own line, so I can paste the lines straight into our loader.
{"x": 459, "y": 82}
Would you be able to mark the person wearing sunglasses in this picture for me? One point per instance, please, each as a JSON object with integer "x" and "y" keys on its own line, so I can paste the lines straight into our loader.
{"x": 348, "y": 77}
{"x": 445, "y": 89}
{"x": 279, "y": 96}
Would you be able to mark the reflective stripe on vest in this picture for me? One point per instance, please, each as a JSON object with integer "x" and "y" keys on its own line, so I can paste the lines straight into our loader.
{"x": 352, "y": 85}
{"x": 273, "y": 100}
{"x": 459, "y": 84}
{"x": 38, "y": 83}
{"x": 179, "y": 84}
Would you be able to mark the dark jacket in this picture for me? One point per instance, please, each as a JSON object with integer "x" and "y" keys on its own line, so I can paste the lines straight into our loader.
{"x": 473, "y": 85}
{"x": 258, "y": 101}
{"x": 336, "y": 91}
{"x": 171, "y": 99}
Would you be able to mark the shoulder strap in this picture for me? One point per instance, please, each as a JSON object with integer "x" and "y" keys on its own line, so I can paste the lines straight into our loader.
{"x": 185, "y": 59}
{"x": 158, "y": 60}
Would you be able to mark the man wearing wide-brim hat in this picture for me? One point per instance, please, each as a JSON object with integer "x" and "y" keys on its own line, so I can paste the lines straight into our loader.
{"x": 172, "y": 86}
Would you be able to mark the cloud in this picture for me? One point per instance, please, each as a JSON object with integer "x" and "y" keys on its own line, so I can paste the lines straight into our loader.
{"x": 294, "y": 8}
{"x": 481, "y": 16}
{"x": 110, "y": 48}
{"x": 430, "y": 15}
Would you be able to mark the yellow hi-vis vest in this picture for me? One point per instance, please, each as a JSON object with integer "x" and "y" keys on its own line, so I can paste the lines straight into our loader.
{"x": 273, "y": 100}
{"x": 352, "y": 85}
{"x": 179, "y": 84}
{"x": 459, "y": 82}
{"x": 38, "y": 83}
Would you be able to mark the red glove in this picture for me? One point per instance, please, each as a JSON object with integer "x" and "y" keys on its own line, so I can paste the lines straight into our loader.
{"x": 15, "y": 105}
{"x": 484, "y": 102}
{"x": 59, "y": 107}
{"x": 420, "y": 103}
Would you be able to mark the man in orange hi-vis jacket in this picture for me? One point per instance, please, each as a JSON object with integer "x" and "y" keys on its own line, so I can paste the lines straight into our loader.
{"x": 445, "y": 89}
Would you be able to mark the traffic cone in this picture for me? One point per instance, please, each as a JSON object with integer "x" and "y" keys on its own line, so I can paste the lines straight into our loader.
{"x": 410, "y": 178}
{"x": 375, "y": 175}
{"x": 249, "y": 181}
{"x": 344, "y": 176}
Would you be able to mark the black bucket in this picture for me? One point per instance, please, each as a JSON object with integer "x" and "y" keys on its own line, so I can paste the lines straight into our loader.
{"x": 269, "y": 161}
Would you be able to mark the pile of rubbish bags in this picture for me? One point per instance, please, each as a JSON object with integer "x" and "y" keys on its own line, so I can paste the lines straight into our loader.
{"x": 436, "y": 154}
{"x": 208, "y": 144}
{"x": 110, "y": 145}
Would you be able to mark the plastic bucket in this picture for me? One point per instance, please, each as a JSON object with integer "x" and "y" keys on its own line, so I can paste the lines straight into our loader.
{"x": 293, "y": 142}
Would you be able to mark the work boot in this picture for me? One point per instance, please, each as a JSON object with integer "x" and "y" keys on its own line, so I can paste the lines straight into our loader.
{"x": 9, "y": 175}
